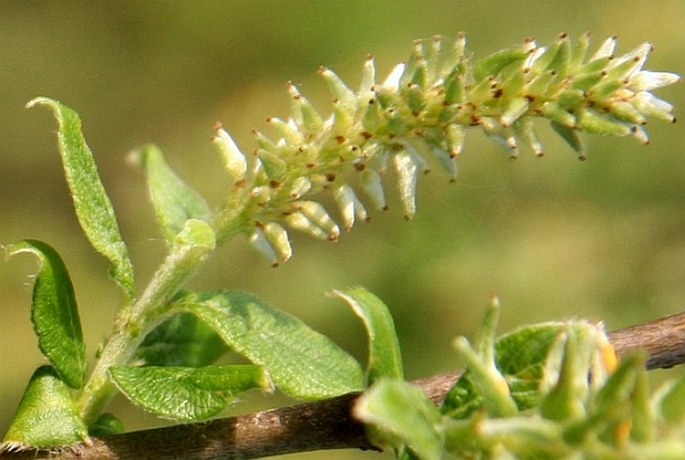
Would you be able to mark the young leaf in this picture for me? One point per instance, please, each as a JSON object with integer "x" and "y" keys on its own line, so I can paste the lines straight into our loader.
{"x": 521, "y": 357}
{"x": 93, "y": 207}
{"x": 182, "y": 340}
{"x": 46, "y": 417}
{"x": 187, "y": 393}
{"x": 401, "y": 415}
{"x": 174, "y": 200}
{"x": 385, "y": 358}
{"x": 55, "y": 315}
{"x": 300, "y": 361}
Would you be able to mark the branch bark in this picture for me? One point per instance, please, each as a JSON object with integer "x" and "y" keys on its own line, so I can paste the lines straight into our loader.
{"x": 320, "y": 425}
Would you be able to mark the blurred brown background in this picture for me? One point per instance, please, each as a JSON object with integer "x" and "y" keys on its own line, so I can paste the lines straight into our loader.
{"x": 554, "y": 238}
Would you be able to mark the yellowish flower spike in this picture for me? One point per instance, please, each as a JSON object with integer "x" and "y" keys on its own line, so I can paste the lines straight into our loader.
{"x": 422, "y": 109}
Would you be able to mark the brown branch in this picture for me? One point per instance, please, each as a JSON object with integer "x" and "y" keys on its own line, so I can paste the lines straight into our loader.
{"x": 321, "y": 425}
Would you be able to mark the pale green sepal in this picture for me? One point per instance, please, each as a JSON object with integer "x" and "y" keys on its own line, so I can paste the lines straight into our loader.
{"x": 174, "y": 201}
{"x": 47, "y": 415}
{"x": 301, "y": 362}
{"x": 400, "y": 415}
{"x": 570, "y": 136}
{"x": 277, "y": 238}
{"x": 340, "y": 91}
{"x": 187, "y": 393}
{"x": 493, "y": 64}
{"x": 385, "y": 358}
{"x": 605, "y": 50}
{"x": 54, "y": 314}
{"x": 93, "y": 207}
{"x": 304, "y": 112}
{"x": 406, "y": 168}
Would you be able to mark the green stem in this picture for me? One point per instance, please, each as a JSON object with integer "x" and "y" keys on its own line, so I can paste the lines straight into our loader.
{"x": 136, "y": 321}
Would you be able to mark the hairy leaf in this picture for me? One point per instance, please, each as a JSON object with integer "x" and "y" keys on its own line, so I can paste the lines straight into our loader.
{"x": 54, "y": 314}
{"x": 300, "y": 361}
{"x": 47, "y": 415}
{"x": 93, "y": 207}
{"x": 401, "y": 415}
{"x": 187, "y": 393}
{"x": 385, "y": 358}
{"x": 174, "y": 201}
{"x": 182, "y": 340}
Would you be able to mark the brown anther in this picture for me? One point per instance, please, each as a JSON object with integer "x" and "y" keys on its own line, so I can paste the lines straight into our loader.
{"x": 330, "y": 177}
{"x": 274, "y": 184}
{"x": 366, "y": 135}
{"x": 497, "y": 93}
{"x": 310, "y": 165}
{"x": 340, "y": 139}
{"x": 359, "y": 166}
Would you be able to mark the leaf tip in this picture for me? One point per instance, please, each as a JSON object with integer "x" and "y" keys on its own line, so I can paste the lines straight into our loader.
{"x": 40, "y": 101}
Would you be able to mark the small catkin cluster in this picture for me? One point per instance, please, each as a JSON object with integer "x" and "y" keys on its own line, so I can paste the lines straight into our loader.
{"x": 421, "y": 110}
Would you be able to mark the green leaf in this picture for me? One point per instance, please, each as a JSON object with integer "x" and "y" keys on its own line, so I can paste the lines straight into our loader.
{"x": 182, "y": 340}
{"x": 400, "y": 414}
{"x": 385, "y": 358}
{"x": 300, "y": 361}
{"x": 187, "y": 393}
{"x": 174, "y": 201}
{"x": 54, "y": 314}
{"x": 47, "y": 416}
{"x": 93, "y": 207}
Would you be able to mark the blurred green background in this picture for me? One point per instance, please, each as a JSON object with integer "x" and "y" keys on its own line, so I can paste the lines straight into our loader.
{"x": 554, "y": 238}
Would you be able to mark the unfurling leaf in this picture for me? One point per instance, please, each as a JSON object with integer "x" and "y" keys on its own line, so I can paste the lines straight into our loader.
{"x": 300, "y": 361}
{"x": 54, "y": 314}
{"x": 93, "y": 207}
{"x": 187, "y": 393}
{"x": 385, "y": 358}
{"x": 174, "y": 201}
